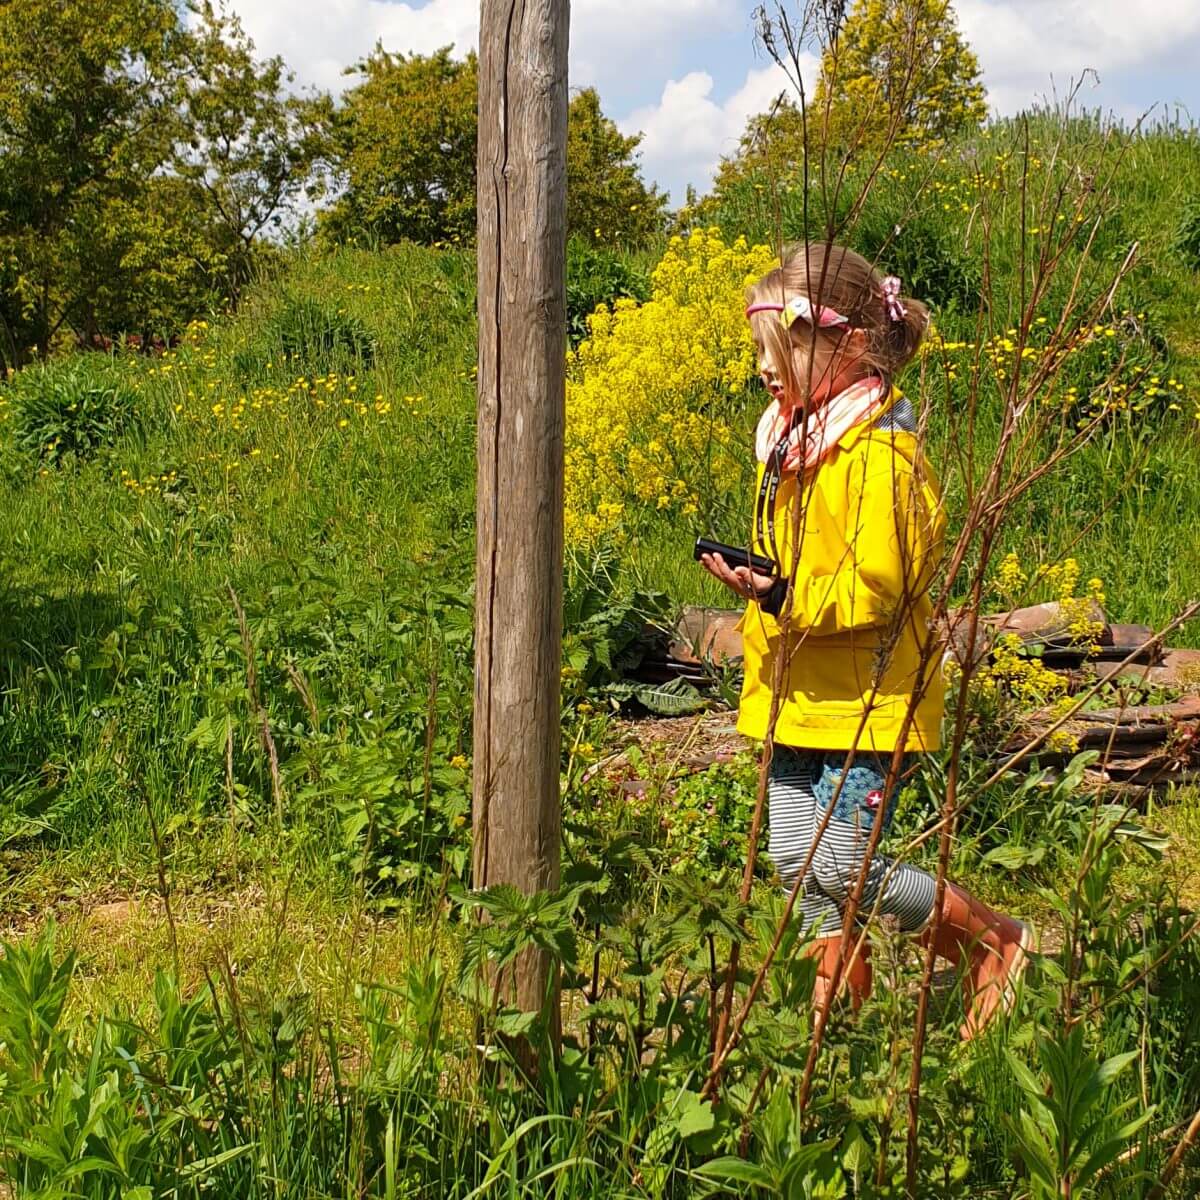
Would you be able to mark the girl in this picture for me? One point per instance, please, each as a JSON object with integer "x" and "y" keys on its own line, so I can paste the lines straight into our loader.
{"x": 831, "y": 334}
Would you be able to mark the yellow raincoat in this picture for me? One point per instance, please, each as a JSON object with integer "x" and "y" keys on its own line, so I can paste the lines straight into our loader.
{"x": 872, "y": 531}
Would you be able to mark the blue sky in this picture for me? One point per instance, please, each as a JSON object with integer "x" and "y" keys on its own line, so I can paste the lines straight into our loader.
{"x": 687, "y": 73}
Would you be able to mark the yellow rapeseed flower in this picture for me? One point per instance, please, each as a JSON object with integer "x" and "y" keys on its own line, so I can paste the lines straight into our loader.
{"x": 647, "y": 387}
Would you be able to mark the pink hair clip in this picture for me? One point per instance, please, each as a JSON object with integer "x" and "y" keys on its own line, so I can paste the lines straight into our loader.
{"x": 799, "y": 308}
{"x": 892, "y": 303}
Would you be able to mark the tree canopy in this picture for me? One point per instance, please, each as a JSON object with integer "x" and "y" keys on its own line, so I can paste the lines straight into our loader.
{"x": 141, "y": 156}
{"x": 902, "y": 66}
{"x": 149, "y": 159}
{"x": 401, "y": 147}
{"x": 606, "y": 195}
{"x": 893, "y": 71}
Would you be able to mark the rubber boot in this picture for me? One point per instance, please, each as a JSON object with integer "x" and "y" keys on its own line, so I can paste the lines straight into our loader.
{"x": 856, "y": 975}
{"x": 991, "y": 949}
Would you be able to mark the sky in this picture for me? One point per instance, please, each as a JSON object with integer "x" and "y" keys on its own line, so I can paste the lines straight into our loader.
{"x": 688, "y": 73}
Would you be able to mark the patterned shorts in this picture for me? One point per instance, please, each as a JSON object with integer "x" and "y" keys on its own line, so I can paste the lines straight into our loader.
{"x": 801, "y": 788}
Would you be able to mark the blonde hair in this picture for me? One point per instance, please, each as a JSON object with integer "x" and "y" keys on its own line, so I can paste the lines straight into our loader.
{"x": 839, "y": 278}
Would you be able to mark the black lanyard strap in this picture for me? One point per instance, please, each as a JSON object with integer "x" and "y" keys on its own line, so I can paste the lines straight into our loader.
{"x": 768, "y": 489}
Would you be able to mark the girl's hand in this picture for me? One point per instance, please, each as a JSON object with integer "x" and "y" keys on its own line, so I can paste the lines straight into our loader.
{"x": 746, "y": 583}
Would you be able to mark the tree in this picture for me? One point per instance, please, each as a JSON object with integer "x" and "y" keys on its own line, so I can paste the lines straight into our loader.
{"x": 606, "y": 195}
{"x": 85, "y": 96}
{"x": 245, "y": 142}
{"x": 895, "y": 70}
{"x": 141, "y": 161}
{"x": 898, "y": 64}
{"x": 772, "y": 142}
{"x": 402, "y": 147}
{"x": 145, "y": 264}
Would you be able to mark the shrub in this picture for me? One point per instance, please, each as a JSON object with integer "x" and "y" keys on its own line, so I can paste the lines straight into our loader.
{"x": 73, "y": 407}
{"x": 596, "y": 276}
{"x": 317, "y": 336}
{"x": 925, "y": 247}
{"x": 653, "y": 392}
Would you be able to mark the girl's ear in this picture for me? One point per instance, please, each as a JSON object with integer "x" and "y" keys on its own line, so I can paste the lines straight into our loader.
{"x": 853, "y": 346}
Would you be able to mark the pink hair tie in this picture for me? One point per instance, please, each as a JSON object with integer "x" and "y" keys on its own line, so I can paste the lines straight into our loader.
{"x": 893, "y": 305}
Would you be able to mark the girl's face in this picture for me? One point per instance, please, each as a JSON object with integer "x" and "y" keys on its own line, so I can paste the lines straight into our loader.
{"x": 836, "y": 362}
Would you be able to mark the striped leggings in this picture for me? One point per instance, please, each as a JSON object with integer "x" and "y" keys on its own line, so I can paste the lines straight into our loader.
{"x": 801, "y": 786}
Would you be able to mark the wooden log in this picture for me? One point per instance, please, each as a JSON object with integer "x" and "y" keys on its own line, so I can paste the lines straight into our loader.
{"x": 707, "y": 633}
{"x": 1047, "y": 623}
{"x": 1122, "y": 739}
{"x": 1186, "y": 709}
{"x": 521, "y": 380}
{"x": 1176, "y": 669}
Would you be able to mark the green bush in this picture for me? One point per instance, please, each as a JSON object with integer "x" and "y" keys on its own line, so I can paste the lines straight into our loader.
{"x": 72, "y": 408}
{"x": 927, "y": 252}
{"x": 596, "y": 276}
{"x": 318, "y": 337}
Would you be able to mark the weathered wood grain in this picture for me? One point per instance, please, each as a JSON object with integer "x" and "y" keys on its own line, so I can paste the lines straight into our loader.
{"x": 519, "y": 504}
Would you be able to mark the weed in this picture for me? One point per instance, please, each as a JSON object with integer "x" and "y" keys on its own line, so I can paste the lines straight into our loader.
{"x": 314, "y": 337}
{"x": 69, "y": 410}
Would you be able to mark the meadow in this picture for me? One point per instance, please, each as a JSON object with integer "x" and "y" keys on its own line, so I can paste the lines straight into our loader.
{"x": 235, "y": 703}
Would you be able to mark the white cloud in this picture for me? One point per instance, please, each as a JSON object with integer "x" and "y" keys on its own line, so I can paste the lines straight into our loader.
{"x": 616, "y": 45}
{"x": 610, "y": 39}
{"x": 319, "y": 40}
{"x": 1027, "y": 46}
{"x": 687, "y": 131}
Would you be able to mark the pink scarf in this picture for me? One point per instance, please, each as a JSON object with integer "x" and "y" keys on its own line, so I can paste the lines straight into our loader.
{"x": 811, "y": 441}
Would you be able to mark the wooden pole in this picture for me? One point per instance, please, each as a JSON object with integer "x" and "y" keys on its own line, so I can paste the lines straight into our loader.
{"x": 519, "y": 506}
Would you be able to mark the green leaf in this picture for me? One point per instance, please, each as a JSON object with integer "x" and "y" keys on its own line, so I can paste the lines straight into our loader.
{"x": 693, "y": 1114}
{"x": 1025, "y": 1077}
{"x": 1014, "y": 858}
{"x": 514, "y": 1024}
{"x": 867, "y": 1108}
{"x": 203, "y": 1166}
{"x": 856, "y": 1153}
{"x": 1112, "y": 1067}
{"x": 674, "y": 699}
{"x": 510, "y": 1143}
{"x": 1108, "y": 1152}
{"x": 735, "y": 1170}
{"x": 811, "y": 1173}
